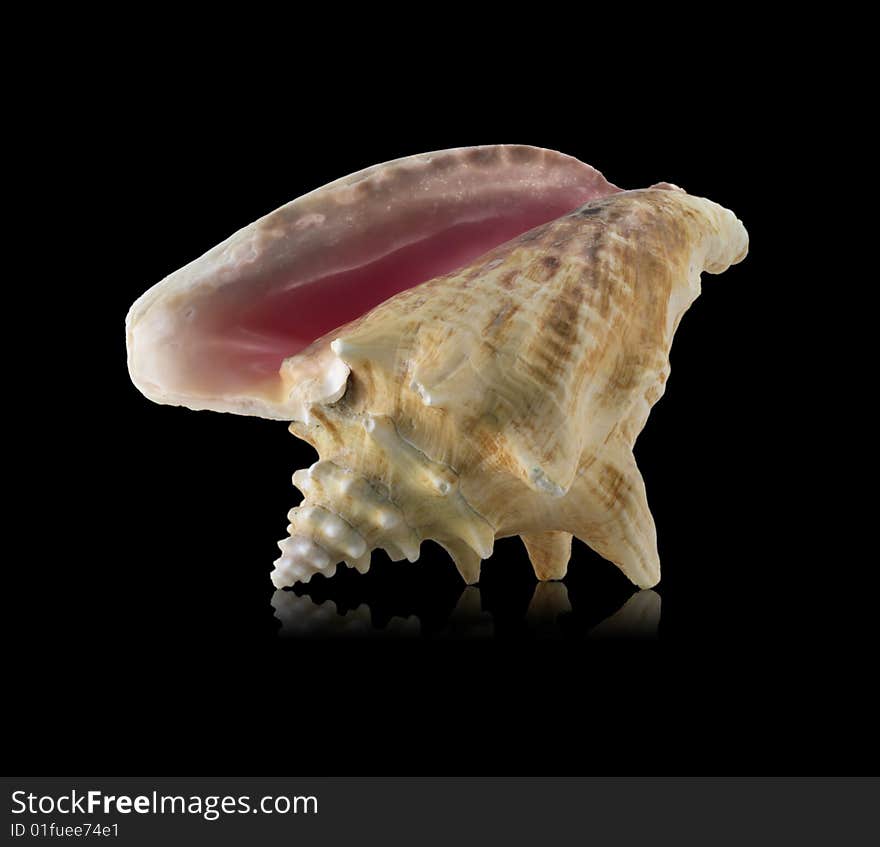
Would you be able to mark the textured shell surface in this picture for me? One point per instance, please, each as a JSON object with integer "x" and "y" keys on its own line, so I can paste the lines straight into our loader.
{"x": 471, "y": 339}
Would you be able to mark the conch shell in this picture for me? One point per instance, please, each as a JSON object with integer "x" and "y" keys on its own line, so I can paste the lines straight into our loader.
{"x": 471, "y": 339}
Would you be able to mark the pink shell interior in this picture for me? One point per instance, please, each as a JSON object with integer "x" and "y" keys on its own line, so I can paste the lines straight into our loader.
{"x": 327, "y": 258}
{"x": 292, "y": 316}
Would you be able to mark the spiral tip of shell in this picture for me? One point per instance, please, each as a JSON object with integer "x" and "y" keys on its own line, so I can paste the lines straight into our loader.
{"x": 300, "y": 560}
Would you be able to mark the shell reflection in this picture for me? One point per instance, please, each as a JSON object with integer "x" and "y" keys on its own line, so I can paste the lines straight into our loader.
{"x": 549, "y": 615}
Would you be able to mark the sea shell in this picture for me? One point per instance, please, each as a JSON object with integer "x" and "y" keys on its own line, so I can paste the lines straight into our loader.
{"x": 500, "y": 397}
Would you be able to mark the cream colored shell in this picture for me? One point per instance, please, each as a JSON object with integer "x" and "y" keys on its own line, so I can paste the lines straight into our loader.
{"x": 504, "y": 399}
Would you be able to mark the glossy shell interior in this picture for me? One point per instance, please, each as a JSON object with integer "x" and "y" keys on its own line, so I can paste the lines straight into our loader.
{"x": 213, "y": 335}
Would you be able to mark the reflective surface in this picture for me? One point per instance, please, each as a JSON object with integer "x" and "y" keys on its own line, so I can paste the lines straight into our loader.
{"x": 549, "y": 614}
{"x": 143, "y": 639}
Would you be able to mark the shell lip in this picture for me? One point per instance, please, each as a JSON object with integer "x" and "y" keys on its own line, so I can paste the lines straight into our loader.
{"x": 178, "y": 361}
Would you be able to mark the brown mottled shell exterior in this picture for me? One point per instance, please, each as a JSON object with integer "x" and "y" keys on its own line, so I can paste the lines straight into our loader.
{"x": 505, "y": 398}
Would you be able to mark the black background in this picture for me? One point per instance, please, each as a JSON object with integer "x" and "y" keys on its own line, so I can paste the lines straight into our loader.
{"x": 143, "y": 635}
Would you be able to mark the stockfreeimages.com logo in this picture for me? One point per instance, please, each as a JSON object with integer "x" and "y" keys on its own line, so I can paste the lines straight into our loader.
{"x": 210, "y": 807}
